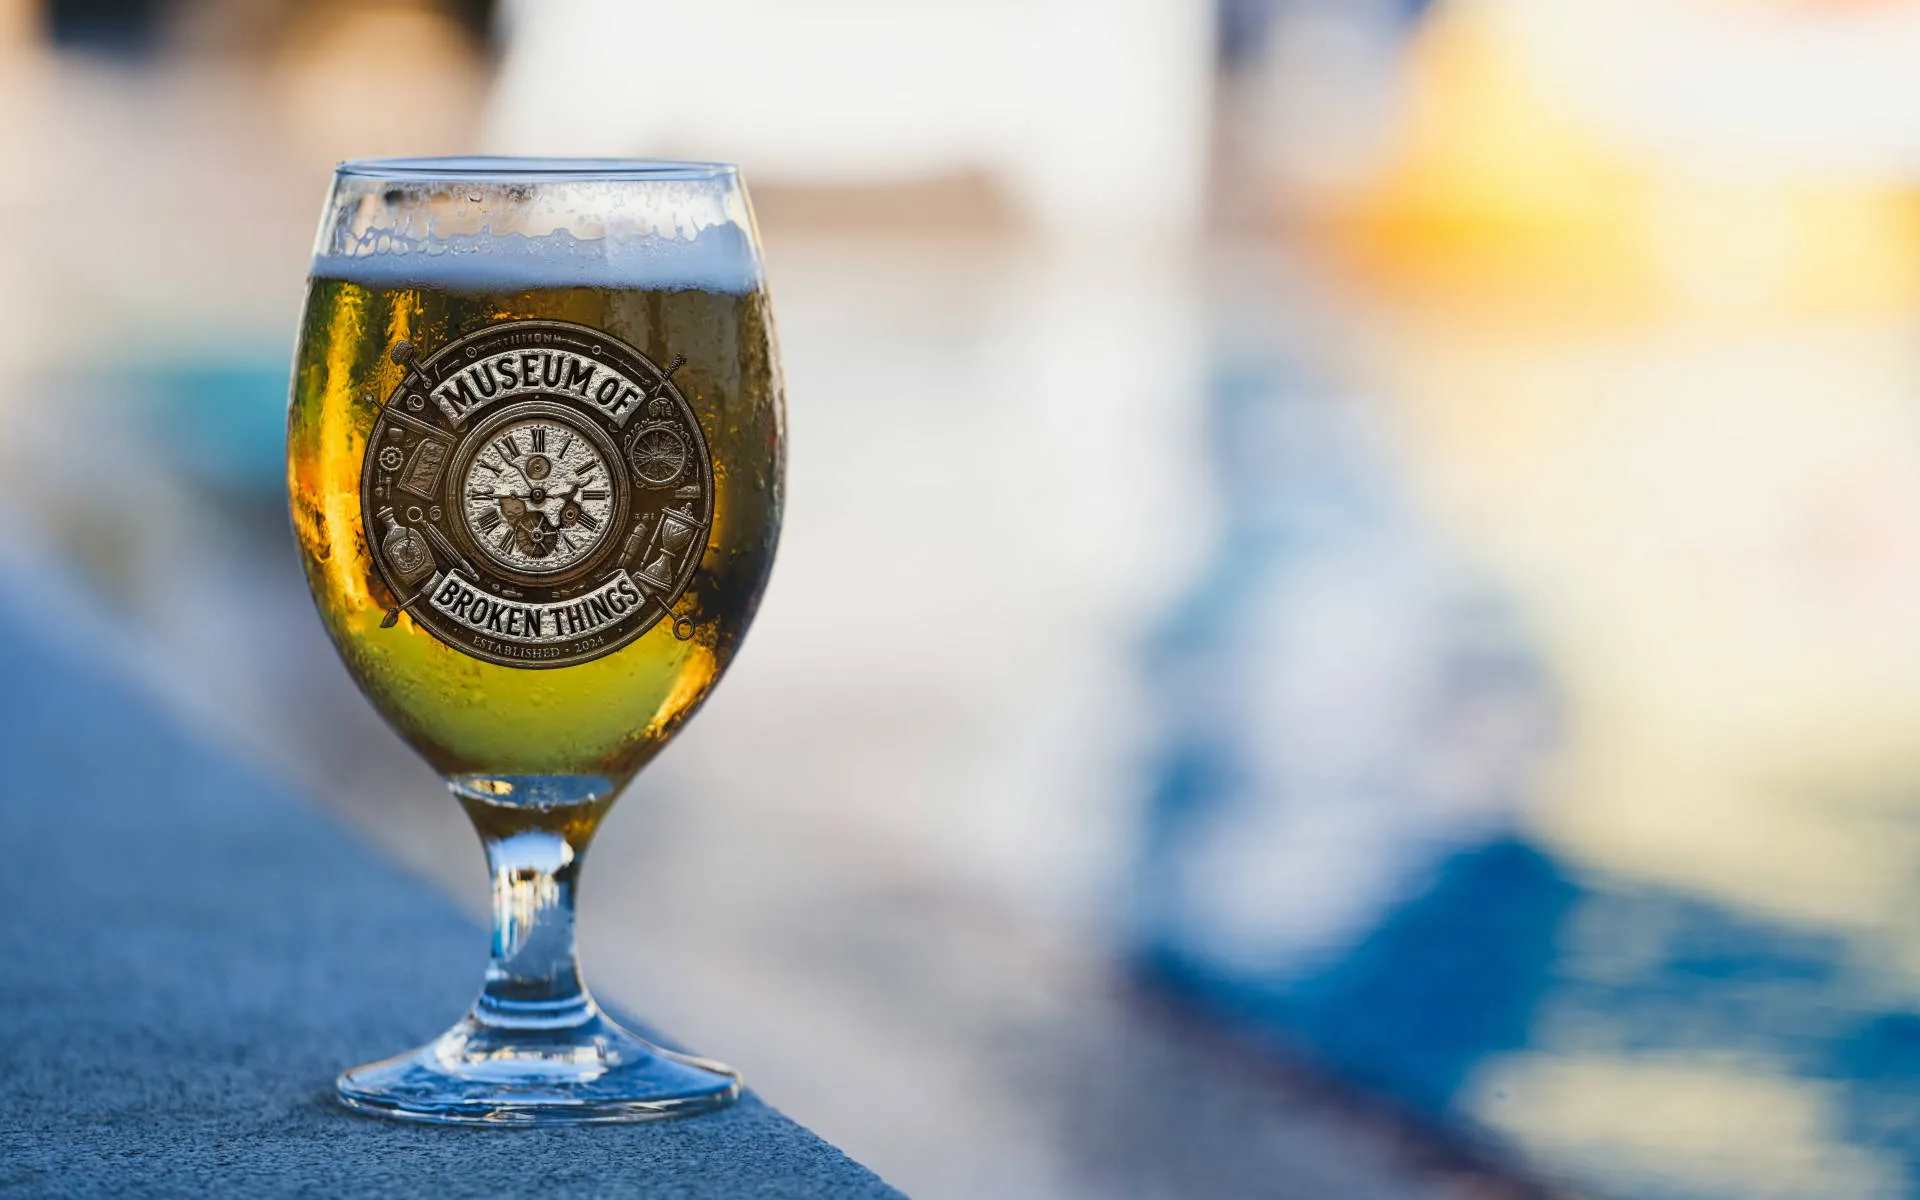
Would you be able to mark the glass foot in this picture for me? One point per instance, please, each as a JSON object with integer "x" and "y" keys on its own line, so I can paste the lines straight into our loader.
{"x": 594, "y": 1072}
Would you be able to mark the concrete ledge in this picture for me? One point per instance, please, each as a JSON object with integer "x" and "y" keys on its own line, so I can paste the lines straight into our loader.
{"x": 188, "y": 955}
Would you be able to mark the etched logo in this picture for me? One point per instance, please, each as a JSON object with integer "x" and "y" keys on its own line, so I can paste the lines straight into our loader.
{"x": 536, "y": 493}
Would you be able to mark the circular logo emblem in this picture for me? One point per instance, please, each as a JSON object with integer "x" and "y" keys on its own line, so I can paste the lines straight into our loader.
{"x": 536, "y": 494}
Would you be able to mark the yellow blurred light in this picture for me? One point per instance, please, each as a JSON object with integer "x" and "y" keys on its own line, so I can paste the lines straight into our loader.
{"x": 1502, "y": 191}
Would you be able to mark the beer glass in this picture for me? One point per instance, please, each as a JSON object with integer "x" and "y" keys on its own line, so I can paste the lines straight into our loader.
{"x": 535, "y": 450}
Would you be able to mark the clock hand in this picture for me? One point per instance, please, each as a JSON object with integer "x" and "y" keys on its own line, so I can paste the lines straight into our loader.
{"x": 481, "y": 462}
{"x": 523, "y": 473}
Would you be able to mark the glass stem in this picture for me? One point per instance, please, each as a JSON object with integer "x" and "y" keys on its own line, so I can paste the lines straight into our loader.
{"x": 533, "y": 981}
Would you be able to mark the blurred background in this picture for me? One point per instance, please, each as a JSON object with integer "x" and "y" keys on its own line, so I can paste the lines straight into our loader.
{"x": 1442, "y": 723}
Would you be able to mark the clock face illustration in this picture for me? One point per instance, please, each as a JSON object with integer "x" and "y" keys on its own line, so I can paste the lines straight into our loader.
{"x": 537, "y": 492}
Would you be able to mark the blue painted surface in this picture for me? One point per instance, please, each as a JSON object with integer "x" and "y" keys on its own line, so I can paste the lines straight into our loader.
{"x": 1437, "y": 987}
{"x": 190, "y": 955}
{"x": 1312, "y": 680}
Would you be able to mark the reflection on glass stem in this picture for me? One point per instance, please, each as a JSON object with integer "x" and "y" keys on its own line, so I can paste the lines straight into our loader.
{"x": 535, "y": 830}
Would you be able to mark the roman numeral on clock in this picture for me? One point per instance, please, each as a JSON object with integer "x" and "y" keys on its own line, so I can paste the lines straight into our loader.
{"x": 587, "y": 521}
{"x": 539, "y": 436}
{"x": 508, "y": 447}
{"x": 487, "y": 520}
{"x": 595, "y": 494}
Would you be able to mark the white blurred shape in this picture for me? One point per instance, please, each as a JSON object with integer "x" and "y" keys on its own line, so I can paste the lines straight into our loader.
{"x": 1759, "y": 88}
{"x": 1091, "y": 114}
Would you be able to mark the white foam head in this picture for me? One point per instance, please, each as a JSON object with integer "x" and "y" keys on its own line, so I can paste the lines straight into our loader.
{"x": 717, "y": 259}
{"x": 489, "y": 225}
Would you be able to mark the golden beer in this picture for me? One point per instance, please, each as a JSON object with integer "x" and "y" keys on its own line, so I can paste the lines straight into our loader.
{"x": 601, "y": 719}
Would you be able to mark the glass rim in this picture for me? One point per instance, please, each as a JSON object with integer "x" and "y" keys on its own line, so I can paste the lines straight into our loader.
{"x": 484, "y": 168}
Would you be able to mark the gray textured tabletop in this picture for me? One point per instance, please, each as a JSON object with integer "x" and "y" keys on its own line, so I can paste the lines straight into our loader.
{"x": 188, "y": 954}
